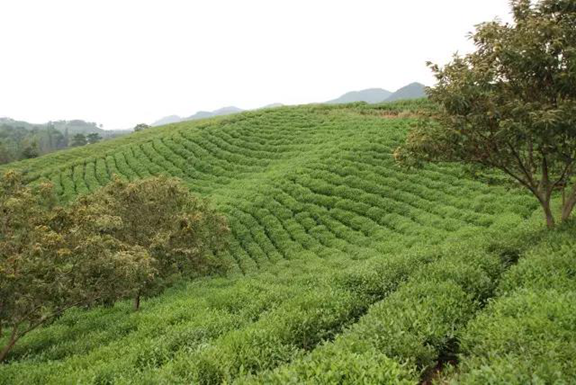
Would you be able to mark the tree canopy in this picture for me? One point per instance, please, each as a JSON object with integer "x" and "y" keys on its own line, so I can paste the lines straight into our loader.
{"x": 78, "y": 140}
{"x": 93, "y": 138}
{"x": 511, "y": 104}
{"x": 53, "y": 258}
{"x": 179, "y": 231}
{"x": 125, "y": 241}
{"x": 141, "y": 126}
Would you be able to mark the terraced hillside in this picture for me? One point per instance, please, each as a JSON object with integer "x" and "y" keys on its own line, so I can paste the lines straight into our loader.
{"x": 344, "y": 267}
{"x": 293, "y": 180}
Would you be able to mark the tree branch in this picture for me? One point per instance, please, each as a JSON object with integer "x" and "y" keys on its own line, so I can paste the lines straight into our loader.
{"x": 521, "y": 164}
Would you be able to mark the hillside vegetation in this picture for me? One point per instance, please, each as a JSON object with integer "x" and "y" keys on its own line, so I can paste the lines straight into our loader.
{"x": 22, "y": 140}
{"x": 343, "y": 267}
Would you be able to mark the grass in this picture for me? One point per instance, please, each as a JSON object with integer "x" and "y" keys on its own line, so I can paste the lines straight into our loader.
{"x": 345, "y": 268}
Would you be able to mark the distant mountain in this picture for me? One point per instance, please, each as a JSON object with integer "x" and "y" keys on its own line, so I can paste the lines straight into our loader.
{"x": 371, "y": 95}
{"x": 411, "y": 91}
{"x": 167, "y": 120}
{"x": 379, "y": 95}
{"x": 219, "y": 112}
{"x": 273, "y": 105}
{"x": 198, "y": 115}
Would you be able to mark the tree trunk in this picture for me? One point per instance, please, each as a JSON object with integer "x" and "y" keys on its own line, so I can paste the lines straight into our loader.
{"x": 137, "y": 302}
{"x": 6, "y": 349}
{"x": 568, "y": 206}
{"x": 550, "y": 222}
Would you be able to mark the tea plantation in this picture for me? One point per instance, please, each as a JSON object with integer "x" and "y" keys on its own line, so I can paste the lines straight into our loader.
{"x": 343, "y": 267}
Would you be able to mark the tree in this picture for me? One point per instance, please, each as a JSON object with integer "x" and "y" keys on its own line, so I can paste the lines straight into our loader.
{"x": 93, "y": 138}
{"x": 160, "y": 215}
{"x": 5, "y": 155}
{"x": 511, "y": 104}
{"x": 66, "y": 136}
{"x": 54, "y": 258}
{"x": 30, "y": 150}
{"x": 78, "y": 140}
{"x": 141, "y": 126}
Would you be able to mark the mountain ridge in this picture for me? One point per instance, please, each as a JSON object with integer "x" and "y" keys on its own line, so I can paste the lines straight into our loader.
{"x": 413, "y": 90}
{"x": 369, "y": 95}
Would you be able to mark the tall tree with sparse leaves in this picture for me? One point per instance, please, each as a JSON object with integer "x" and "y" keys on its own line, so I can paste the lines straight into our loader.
{"x": 511, "y": 104}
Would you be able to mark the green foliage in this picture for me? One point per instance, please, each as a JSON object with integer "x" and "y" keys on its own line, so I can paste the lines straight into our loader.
{"x": 93, "y": 138}
{"x": 78, "y": 140}
{"x": 56, "y": 258}
{"x": 412, "y": 327}
{"x": 141, "y": 126}
{"x": 527, "y": 335}
{"x": 21, "y": 143}
{"x": 344, "y": 268}
{"x": 160, "y": 215}
{"x": 355, "y": 363}
{"x": 510, "y": 105}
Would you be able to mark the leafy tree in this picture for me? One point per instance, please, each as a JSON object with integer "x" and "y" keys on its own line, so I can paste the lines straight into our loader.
{"x": 54, "y": 258}
{"x": 5, "y": 155}
{"x": 49, "y": 139}
{"x": 511, "y": 104}
{"x": 141, "y": 126}
{"x": 78, "y": 140}
{"x": 93, "y": 138}
{"x": 66, "y": 136}
{"x": 30, "y": 150}
{"x": 160, "y": 215}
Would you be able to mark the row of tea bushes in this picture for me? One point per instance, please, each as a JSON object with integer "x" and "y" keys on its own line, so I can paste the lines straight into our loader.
{"x": 527, "y": 335}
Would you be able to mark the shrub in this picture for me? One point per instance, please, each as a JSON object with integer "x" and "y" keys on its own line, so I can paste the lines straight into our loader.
{"x": 525, "y": 338}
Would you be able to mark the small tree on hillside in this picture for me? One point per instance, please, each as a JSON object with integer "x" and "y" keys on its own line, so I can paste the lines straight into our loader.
{"x": 511, "y": 105}
{"x": 93, "y": 138}
{"x": 180, "y": 231}
{"x": 30, "y": 150}
{"x": 78, "y": 140}
{"x": 5, "y": 155}
{"x": 54, "y": 258}
{"x": 141, "y": 127}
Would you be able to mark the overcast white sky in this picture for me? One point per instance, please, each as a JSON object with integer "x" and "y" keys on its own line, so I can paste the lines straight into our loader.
{"x": 122, "y": 62}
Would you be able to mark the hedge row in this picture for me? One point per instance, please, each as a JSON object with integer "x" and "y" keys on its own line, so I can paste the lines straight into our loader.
{"x": 408, "y": 332}
{"x": 528, "y": 335}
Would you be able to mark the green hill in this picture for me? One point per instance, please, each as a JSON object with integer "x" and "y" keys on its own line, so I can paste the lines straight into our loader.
{"x": 345, "y": 268}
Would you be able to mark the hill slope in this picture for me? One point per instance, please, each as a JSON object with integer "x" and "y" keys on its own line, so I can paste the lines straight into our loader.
{"x": 344, "y": 267}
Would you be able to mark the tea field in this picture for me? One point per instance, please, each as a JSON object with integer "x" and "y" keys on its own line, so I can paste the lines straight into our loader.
{"x": 343, "y": 267}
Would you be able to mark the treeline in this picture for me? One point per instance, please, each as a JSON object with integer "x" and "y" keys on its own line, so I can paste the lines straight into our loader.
{"x": 128, "y": 240}
{"x": 17, "y": 143}
{"x": 22, "y": 140}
